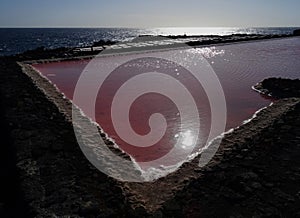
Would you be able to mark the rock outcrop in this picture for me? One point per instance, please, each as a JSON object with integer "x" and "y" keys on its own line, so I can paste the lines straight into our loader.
{"x": 297, "y": 32}
{"x": 279, "y": 87}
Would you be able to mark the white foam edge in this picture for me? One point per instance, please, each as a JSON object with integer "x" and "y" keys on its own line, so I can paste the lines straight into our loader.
{"x": 259, "y": 91}
{"x": 82, "y": 114}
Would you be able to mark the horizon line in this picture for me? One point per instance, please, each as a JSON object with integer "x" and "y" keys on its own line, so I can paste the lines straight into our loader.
{"x": 119, "y": 27}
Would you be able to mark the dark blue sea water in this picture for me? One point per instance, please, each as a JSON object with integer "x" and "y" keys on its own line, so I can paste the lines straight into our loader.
{"x": 17, "y": 40}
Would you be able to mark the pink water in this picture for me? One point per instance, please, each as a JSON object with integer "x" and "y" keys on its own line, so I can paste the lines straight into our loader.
{"x": 238, "y": 67}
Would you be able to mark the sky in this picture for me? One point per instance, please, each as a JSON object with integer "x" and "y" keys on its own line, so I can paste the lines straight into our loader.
{"x": 150, "y": 13}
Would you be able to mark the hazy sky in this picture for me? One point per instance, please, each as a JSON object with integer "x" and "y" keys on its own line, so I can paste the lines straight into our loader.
{"x": 151, "y": 13}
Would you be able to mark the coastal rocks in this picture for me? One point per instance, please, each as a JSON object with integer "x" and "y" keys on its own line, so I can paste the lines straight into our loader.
{"x": 55, "y": 178}
{"x": 296, "y": 32}
{"x": 279, "y": 87}
{"x": 89, "y": 208}
{"x": 1, "y": 208}
{"x": 233, "y": 38}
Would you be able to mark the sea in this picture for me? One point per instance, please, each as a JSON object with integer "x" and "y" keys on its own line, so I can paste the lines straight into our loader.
{"x": 17, "y": 40}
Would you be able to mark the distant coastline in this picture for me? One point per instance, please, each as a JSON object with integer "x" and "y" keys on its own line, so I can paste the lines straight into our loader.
{"x": 18, "y": 40}
{"x": 153, "y": 43}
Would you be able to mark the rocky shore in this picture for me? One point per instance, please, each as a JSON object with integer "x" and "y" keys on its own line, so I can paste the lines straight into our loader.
{"x": 54, "y": 177}
{"x": 279, "y": 87}
{"x": 255, "y": 173}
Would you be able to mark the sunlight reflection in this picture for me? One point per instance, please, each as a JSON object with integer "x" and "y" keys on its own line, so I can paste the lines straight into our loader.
{"x": 188, "y": 139}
